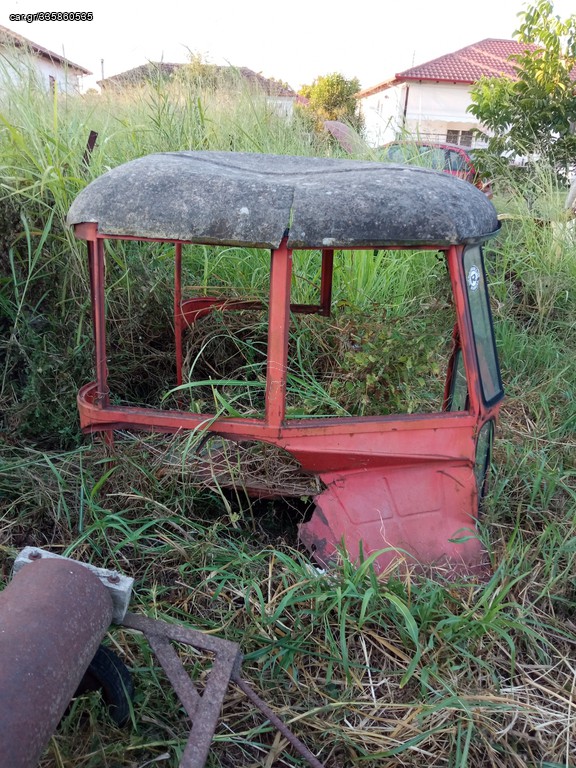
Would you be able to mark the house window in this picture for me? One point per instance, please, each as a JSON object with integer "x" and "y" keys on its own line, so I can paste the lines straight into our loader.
{"x": 463, "y": 138}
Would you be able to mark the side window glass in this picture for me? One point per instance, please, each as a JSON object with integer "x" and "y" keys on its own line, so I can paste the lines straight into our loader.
{"x": 483, "y": 453}
{"x": 396, "y": 155}
{"x": 481, "y": 317}
{"x": 433, "y": 157}
{"x": 458, "y": 386}
{"x": 456, "y": 162}
{"x": 402, "y": 153}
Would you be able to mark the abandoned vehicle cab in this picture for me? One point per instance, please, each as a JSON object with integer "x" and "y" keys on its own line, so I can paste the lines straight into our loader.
{"x": 403, "y": 484}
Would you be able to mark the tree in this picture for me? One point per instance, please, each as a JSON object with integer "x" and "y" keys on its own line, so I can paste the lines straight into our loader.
{"x": 200, "y": 72}
{"x": 537, "y": 112}
{"x": 332, "y": 97}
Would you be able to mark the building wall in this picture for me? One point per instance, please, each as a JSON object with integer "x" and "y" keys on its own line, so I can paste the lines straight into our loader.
{"x": 18, "y": 65}
{"x": 382, "y": 113}
{"x": 282, "y": 105}
{"x": 439, "y": 101}
{"x": 432, "y": 110}
{"x": 67, "y": 81}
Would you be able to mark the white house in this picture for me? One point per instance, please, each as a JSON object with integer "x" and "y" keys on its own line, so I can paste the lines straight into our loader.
{"x": 20, "y": 57}
{"x": 430, "y": 101}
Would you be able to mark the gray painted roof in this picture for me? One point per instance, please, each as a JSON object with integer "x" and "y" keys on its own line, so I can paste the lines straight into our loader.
{"x": 253, "y": 199}
{"x": 9, "y": 37}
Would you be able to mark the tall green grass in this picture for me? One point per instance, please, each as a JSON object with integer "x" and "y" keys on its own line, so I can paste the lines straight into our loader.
{"x": 369, "y": 670}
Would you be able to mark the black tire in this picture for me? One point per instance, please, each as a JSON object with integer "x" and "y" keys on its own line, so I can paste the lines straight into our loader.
{"x": 108, "y": 674}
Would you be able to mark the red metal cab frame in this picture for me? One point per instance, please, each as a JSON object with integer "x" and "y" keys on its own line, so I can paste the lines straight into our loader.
{"x": 401, "y": 485}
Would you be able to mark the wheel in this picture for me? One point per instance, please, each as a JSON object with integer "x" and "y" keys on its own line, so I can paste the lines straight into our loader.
{"x": 108, "y": 674}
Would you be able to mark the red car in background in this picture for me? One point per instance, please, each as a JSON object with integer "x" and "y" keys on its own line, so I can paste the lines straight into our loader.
{"x": 449, "y": 158}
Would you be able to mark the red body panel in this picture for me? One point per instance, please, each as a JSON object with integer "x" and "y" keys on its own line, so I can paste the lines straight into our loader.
{"x": 400, "y": 512}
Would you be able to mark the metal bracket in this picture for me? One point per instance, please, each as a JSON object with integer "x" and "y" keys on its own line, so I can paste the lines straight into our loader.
{"x": 119, "y": 586}
{"x": 204, "y": 710}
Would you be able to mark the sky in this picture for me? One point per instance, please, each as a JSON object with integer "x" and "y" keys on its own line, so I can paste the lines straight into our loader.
{"x": 294, "y": 41}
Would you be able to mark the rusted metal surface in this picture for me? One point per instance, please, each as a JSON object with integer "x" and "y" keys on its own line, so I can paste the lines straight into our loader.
{"x": 234, "y": 198}
{"x": 300, "y": 747}
{"x": 53, "y": 616}
{"x": 90, "y": 144}
{"x": 204, "y": 709}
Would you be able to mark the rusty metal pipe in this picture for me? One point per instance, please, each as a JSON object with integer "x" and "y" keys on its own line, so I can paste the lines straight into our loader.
{"x": 53, "y": 616}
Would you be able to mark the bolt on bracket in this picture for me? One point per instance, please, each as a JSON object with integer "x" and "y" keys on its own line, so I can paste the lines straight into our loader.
{"x": 119, "y": 586}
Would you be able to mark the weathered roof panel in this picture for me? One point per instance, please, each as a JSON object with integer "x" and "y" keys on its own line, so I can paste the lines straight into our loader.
{"x": 254, "y": 199}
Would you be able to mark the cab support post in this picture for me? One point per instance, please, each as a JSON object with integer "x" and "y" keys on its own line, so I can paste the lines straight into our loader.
{"x": 97, "y": 283}
{"x": 278, "y": 326}
{"x": 178, "y": 319}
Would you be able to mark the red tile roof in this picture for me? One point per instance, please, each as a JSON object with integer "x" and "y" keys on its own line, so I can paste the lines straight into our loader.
{"x": 488, "y": 58}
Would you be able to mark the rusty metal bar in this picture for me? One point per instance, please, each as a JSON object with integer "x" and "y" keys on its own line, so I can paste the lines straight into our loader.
{"x": 278, "y": 325}
{"x": 179, "y": 634}
{"x": 90, "y": 144}
{"x": 326, "y": 281}
{"x": 206, "y": 718}
{"x": 204, "y": 710}
{"x": 98, "y": 282}
{"x": 277, "y": 723}
{"x": 53, "y": 616}
{"x": 170, "y": 663}
{"x": 178, "y": 319}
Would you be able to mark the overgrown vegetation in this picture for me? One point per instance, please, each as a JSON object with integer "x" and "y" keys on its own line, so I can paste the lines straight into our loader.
{"x": 331, "y": 97}
{"x": 535, "y": 114}
{"x": 369, "y": 670}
